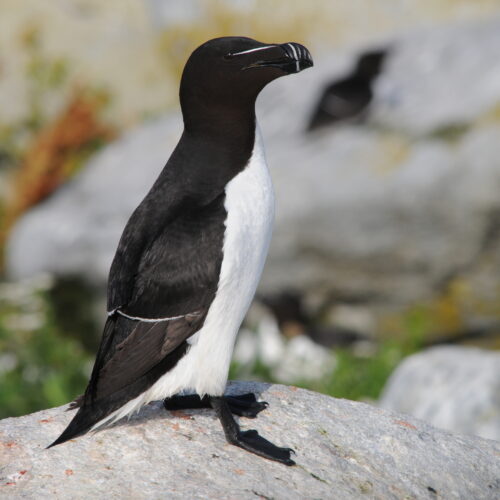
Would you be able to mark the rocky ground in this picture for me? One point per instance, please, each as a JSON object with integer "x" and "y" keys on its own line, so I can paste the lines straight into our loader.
{"x": 345, "y": 450}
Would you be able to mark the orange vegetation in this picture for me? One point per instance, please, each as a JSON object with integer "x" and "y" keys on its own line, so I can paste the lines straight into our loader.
{"x": 57, "y": 152}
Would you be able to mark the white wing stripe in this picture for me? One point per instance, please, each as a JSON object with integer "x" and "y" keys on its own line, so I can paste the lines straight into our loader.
{"x": 151, "y": 320}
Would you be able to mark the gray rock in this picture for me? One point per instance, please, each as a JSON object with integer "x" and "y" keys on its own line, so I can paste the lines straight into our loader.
{"x": 76, "y": 231}
{"x": 345, "y": 450}
{"x": 388, "y": 211}
{"x": 454, "y": 388}
{"x": 394, "y": 208}
{"x": 441, "y": 77}
{"x": 356, "y": 229}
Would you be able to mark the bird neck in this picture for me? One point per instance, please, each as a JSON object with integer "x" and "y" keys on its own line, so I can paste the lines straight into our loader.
{"x": 220, "y": 123}
{"x": 214, "y": 148}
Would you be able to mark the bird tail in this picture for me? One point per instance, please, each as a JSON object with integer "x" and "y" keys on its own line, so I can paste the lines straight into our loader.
{"x": 78, "y": 426}
{"x": 97, "y": 404}
{"x": 86, "y": 418}
{"x": 89, "y": 413}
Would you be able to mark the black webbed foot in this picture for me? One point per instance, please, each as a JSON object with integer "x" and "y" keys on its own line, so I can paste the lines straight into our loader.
{"x": 253, "y": 442}
{"x": 243, "y": 405}
{"x": 248, "y": 440}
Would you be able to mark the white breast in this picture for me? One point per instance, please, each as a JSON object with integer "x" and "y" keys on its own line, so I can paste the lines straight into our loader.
{"x": 250, "y": 208}
{"x": 250, "y": 216}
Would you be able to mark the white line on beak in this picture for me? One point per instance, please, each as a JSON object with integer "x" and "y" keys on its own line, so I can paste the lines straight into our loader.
{"x": 297, "y": 65}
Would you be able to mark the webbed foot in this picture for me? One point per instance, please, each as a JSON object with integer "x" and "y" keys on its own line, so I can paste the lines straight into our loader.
{"x": 250, "y": 440}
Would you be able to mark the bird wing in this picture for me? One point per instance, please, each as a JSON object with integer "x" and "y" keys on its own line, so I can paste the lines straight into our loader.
{"x": 143, "y": 227}
{"x": 145, "y": 346}
{"x": 167, "y": 266}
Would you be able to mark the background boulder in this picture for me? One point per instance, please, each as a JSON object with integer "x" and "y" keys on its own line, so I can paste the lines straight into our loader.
{"x": 454, "y": 388}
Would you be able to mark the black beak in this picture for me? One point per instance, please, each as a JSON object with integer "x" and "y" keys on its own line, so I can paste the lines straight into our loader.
{"x": 289, "y": 57}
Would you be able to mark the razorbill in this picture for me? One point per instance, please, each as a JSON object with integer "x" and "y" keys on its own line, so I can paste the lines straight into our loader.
{"x": 349, "y": 97}
{"x": 191, "y": 255}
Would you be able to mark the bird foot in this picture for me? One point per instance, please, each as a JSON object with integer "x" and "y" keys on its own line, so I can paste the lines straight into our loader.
{"x": 243, "y": 405}
{"x": 253, "y": 442}
{"x": 249, "y": 440}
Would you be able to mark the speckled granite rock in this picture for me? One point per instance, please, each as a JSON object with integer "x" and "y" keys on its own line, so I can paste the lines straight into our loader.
{"x": 345, "y": 450}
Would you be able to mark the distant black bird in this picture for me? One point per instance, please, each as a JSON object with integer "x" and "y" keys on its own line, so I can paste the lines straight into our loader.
{"x": 293, "y": 318}
{"x": 349, "y": 97}
{"x": 191, "y": 255}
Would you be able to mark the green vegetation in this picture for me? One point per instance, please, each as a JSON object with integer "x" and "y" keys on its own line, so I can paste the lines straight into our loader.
{"x": 360, "y": 378}
{"x": 355, "y": 377}
{"x": 45, "y": 360}
{"x": 359, "y": 375}
{"x": 40, "y": 366}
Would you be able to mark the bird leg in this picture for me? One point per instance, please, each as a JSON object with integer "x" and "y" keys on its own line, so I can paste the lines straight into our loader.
{"x": 248, "y": 440}
{"x": 243, "y": 405}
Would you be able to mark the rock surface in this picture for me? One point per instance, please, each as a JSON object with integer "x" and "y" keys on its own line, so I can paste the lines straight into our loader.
{"x": 455, "y": 388}
{"x": 345, "y": 450}
{"x": 78, "y": 228}
{"x": 423, "y": 87}
{"x": 395, "y": 207}
{"x": 391, "y": 209}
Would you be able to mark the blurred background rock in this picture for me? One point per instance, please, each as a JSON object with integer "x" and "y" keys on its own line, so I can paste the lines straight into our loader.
{"x": 386, "y": 162}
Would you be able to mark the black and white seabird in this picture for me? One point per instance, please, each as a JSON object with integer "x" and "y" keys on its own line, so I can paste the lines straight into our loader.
{"x": 191, "y": 255}
{"x": 349, "y": 97}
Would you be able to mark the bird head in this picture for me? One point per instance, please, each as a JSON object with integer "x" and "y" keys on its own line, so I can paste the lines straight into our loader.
{"x": 231, "y": 71}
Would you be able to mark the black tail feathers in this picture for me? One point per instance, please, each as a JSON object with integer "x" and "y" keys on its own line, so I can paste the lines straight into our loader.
{"x": 89, "y": 414}
{"x": 82, "y": 422}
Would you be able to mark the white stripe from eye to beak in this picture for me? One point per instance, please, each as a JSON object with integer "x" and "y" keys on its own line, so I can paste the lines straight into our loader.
{"x": 251, "y": 50}
{"x": 297, "y": 65}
